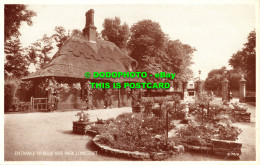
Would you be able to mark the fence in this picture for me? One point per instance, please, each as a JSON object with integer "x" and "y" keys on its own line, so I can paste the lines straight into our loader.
{"x": 39, "y": 104}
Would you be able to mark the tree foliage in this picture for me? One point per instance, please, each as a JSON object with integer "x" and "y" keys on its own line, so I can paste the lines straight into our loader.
{"x": 180, "y": 58}
{"x": 76, "y": 32}
{"x": 14, "y": 16}
{"x": 245, "y": 60}
{"x": 39, "y": 51}
{"x": 60, "y": 36}
{"x": 116, "y": 32}
{"x": 146, "y": 45}
{"x": 216, "y": 76}
{"x": 154, "y": 52}
{"x": 15, "y": 62}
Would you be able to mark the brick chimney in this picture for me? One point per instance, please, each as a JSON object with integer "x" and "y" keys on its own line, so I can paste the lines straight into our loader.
{"x": 89, "y": 31}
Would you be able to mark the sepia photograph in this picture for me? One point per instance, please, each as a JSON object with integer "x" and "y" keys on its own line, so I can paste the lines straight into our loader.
{"x": 130, "y": 82}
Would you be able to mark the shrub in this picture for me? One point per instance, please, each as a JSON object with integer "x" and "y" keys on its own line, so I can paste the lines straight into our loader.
{"x": 9, "y": 90}
{"x": 227, "y": 132}
{"x": 201, "y": 135}
{"x": 178, "y": 113}
{"x": 204, "y": 98}
{"x": 195, "y": 135}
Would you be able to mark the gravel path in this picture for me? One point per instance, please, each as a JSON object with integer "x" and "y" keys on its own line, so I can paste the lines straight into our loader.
{"x": 48, "y": 136}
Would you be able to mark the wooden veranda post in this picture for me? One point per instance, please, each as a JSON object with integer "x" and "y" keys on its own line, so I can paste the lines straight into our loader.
{"x": 82, "y": 84}
{"x": 167, "y": 129}
{"x": 119, "y": 100}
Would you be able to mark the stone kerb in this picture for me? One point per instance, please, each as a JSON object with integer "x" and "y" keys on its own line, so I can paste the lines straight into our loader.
{"x": 129, "y": 154}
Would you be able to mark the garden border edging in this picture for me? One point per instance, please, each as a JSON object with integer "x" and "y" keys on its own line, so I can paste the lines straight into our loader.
{"x": 129, "y": 154}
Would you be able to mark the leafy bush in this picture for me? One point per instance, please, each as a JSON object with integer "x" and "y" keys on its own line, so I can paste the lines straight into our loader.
{"x": 9, "y": 90}
{"x": 227, "y": 132}
{"x": 195, "y": 135}
{"x": 204, "y": 98}
{"x": 178, "y": 113}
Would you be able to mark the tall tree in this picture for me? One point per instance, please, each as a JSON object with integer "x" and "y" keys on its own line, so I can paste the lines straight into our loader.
{"x": 116, "y": 32}
{"x": 245, "y": 60}
{"x": 60, "y": 35}
{"x": 76, "y": 32}
{"x": 147, "y": 45}
{"x": 155, "y": 53}
{"x": 39, "y": 51}
{"x": 180, "y": 59}
{"x": 215, "y": 78}
{"x": 14, "y": 16}
{"x": 15, "y": 62}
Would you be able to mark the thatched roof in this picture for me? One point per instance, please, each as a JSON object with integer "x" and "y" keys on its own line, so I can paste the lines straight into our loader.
{"x": 78, "y": 55}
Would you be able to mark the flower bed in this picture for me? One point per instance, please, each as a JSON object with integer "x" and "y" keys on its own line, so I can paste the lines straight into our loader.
{"x": 135, "y": 132}
{"x": 206, "y": 138}
{"x": 240, "y": 112}
{"x": 146, "y": 133}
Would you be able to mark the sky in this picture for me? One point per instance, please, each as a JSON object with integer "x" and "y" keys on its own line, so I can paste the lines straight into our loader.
{"x": 216, "y": 31}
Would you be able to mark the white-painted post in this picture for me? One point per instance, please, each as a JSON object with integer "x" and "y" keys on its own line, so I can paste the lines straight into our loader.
{"x": 242, "y": 89}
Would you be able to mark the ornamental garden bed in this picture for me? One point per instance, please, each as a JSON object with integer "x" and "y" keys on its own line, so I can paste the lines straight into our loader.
{"x": 134, "y": 132}
{"x": 121, "y": 135}
{"x": 194, "y": 138}
{"x": 240, "y": 113}
{"x": 138, "y": 134}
